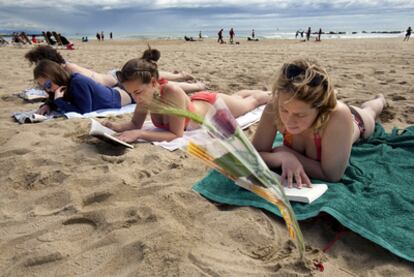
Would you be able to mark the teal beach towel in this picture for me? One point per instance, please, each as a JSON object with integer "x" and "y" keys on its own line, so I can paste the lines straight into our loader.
{"x": 375, "y": 197}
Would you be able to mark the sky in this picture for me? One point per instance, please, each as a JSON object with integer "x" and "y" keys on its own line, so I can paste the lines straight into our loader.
{"x": 152, "y": 16}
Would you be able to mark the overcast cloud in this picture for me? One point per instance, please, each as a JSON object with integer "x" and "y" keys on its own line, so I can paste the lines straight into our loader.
{"x": 78, "y": 16}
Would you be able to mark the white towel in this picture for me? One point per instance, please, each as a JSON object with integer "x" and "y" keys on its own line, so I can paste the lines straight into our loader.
{"x": 244, "y": 122}
{"x": 103, "y": 112}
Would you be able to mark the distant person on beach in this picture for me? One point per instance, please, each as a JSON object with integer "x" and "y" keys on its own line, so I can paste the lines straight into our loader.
{"x": 297, "y": 34}
{"x": 102, "y": 36}
{"x": 189, "y": 38}
{"x": 318, "y": 130}
{"x": 43, "y": 52}
{"x": 231, "y": 34}
{"x": 98, "y": 36}
{"x": 200, "y": 36}
{"x": 20, "y": 38}
{"x": 49, "y": 38}
{"x": 110, "y": 35}
{"x": 319, "y": 34}
{"x": 253, "y": 34}
{"x": 75, "y": 92}
{"x": 407, "y": 34}
{"x": 220, "y": 36}
{"x": 301, "y": 34}
{"x": 141, "y": 79}
{"x": 308, "y": 33}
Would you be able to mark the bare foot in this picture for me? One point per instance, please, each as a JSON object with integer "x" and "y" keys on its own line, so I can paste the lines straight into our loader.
{"x": 382, "y": 97}
{"x": 201, "y": 85}
{"x": 186, "y": 76}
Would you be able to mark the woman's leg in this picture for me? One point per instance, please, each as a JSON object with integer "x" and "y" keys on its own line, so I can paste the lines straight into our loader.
{"x": 104, "y": 79}
{"x": 369, "y": 112}
{"x": 176, "y": 76}
{"x": 190, "y": 87}
{"x": 245, "y": 100}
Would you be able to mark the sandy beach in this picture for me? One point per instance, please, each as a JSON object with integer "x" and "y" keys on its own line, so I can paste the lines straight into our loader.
{"x": 70, "y": 205}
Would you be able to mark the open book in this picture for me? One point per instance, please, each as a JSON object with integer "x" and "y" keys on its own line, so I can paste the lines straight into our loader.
{"x": 305, "y": 194}
{"x": 106, "y": 134}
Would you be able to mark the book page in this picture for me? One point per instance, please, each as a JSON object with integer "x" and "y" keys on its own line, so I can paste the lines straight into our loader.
{"x": 305, "y": 194}
{"x": 106, "y": 134}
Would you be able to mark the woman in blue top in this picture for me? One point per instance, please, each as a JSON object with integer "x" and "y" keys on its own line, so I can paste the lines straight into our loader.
{"x": 76, "y": 92}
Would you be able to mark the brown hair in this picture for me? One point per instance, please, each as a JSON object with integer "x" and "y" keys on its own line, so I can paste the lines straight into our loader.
{"x": 52, "y": 71}
{"x": 142, "y": 69}
{"x": 44, "y": 52}
{"x": 309, "y": 82}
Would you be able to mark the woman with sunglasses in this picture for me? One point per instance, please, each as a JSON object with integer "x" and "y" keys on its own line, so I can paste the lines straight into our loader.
{"x": 47, "y": 52}
{"x": 318, "y": 130}
{"x": 76, "y": 92}
{"x": 140, "y": 78}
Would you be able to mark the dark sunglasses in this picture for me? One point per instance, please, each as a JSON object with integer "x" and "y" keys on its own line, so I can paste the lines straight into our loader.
{"x": 291, "y": 71}
{"x": 47, "y": 85}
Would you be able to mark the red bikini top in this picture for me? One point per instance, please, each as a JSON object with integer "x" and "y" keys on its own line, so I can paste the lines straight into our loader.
{"x": 162, "y": 82}
{"x": 288, "y": 140}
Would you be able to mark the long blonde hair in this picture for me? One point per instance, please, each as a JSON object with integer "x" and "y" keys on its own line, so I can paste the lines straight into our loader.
{"x": 308, "y": 82}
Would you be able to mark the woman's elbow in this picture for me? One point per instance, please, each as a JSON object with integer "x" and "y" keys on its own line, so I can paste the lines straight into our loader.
{"x": 174, "y": 136}
{"x": 333, "y": 176}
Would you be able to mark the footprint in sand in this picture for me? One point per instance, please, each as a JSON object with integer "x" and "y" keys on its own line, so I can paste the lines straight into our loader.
{"x": 53, "y": 203}
{"x": 11, "y": 153}
{"x": 398, "y": 98}
{"x": 359, "y": 76}
{"x": 74, "y": 229}
{"x": 96, "y": 197}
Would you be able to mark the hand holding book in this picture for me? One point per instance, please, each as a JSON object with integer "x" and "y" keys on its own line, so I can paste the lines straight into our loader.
{"x": 106, "y": 134}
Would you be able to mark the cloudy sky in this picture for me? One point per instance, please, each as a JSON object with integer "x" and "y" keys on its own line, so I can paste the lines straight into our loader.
{"x": 140, "y": 16}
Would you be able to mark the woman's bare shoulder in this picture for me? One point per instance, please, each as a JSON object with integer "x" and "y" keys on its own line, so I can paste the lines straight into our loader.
{"x": 339, "y": 117}
{"x": 341, "y": 111}
{"x": 173, "y": 92}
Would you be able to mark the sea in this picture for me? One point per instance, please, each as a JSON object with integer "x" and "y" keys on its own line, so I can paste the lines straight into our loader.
{"x": 240, "y": 34}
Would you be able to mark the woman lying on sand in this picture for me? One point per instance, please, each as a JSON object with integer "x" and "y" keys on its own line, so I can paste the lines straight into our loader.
{"x": 318, "y": 130}
{"x": 75, "y": 92}
{"x": 47, "y": 52}
{"x": 140, "y": 78}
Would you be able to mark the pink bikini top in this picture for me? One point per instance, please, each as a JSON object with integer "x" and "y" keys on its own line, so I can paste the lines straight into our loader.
{"x": 288, "y": 140}
{"x": 162, "y": 82}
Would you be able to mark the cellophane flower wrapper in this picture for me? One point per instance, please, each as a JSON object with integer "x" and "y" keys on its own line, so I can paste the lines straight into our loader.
{"x": 226, "y": 148}
{"x": 232, "y": 154}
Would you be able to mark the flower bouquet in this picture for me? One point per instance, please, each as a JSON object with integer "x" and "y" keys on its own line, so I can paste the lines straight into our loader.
{"x": 225, "y": 148}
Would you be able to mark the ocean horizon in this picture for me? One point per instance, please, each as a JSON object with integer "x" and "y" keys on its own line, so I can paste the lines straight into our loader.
{"x": 242, "y": 34}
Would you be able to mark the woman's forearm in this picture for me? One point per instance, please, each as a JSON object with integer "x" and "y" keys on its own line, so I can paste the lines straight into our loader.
{"x": 312, "y": 168}
{"x": 157, "y": 136}
{"x": 121, "y": 127}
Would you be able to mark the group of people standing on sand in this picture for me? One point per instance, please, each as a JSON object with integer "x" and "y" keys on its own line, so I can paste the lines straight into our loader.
{"x": 318, "y": 129}
{"x": 232, "y": 35}
{"x": 101, "y": 36}
{"x": 308, "y": 34}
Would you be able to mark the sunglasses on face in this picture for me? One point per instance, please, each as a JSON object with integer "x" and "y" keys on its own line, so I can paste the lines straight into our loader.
{"x": 291, "y": 71}
{"x": 47, "y": 85}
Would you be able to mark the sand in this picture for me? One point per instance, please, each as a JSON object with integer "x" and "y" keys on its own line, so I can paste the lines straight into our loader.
{"x": 70, "y": 205}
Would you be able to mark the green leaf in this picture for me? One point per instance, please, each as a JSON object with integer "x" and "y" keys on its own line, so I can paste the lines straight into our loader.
{"x": 232, "y": 165}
